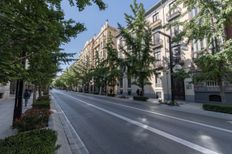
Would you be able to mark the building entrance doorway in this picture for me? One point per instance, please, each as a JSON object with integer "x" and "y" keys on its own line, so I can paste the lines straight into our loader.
{"x": 178, "y": 89}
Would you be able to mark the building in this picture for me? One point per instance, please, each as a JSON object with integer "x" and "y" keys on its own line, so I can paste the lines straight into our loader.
{"x": 4, "y": 90}
{"x": 158, "y": 16}
{"x": 94, "y": 51}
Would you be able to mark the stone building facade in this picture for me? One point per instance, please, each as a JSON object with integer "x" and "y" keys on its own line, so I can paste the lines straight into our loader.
{"x": 158, "y": 16}
{"x": 94, "y": 50}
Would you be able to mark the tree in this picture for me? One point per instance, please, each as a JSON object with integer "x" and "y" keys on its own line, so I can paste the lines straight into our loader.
{"x": 112, "y": 64}
{"x": 209, "y": 24}
{"x": 30, "y": 30}
{"x": 138, "y": 36}
{"x": 82, "y": 71}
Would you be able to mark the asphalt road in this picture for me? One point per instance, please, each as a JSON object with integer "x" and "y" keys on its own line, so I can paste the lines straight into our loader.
{"x": 115, "y": 126}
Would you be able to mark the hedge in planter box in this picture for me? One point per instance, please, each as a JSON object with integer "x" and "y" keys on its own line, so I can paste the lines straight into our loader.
{"x": 40, "y": 141}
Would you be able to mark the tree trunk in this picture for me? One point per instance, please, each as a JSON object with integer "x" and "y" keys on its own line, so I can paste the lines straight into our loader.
{"x": 142, "y": 87}
{"x": 48, "y": 90}
{"x": 228, "y": 30}
{"x": 40, "y": 92}
{"x": 100, "y": 90}
{"x": 34, "y": 93}
{"x": 222, "y": 91}
{"x": 113, "y": 88}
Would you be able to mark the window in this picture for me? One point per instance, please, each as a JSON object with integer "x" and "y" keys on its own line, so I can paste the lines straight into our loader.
{"x": 155, "y": 17}
{"x": 211, "y": 84}
{"x": 129, "y": 82}
{"x": 121, "y": 82}
{"x": 158, "y": 81}
{"x": 195, "y": 46}
{"x": 198, "y": 45}
{"x": 194, "y": 12}
{"x": 157, "y": 55}
{"x": 156, "y": 38}
{"x": 176, "y": 52}
{"x": 172, "y": 8}
{"x": 174, "y": 30}
{"x": 158, "y": 94}
{"x": 176, "y": 55}
{"x": 202, "y": 44}
{"x": 104, "y": 54}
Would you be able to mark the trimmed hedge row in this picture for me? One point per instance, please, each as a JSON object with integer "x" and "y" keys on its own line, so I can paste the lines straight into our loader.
{"x": 39, "y": 141}
{"x": 111, "y": 95}
{"x": 140, "y": 98}
{"x": 43, "y": 102}
{"x": 32, "y": 137}
{"x": 218, "y": 108}
{"x": 44, "y": 97}
{"x": 33, "y": 119}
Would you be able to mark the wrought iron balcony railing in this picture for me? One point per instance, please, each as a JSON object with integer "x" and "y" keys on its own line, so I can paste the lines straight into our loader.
{"x": 155, "y": 24}
{"x": 173, "y": 13}
{"x": 158, "y": 43}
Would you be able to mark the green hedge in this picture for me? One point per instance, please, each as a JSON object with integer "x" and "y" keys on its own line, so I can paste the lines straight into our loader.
{"x": 111, "y": 95}
{"x": 44, "y": 97}
{"x": 33, "y": 119}
{"x": 41, "y": 141}
{"x": 218, "y": 108}
{"x": 41, "y": 104}
{"x": 140, "y": 98}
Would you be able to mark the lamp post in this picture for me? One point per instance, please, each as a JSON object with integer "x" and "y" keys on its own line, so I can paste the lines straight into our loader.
{"x": 171, "y": 63}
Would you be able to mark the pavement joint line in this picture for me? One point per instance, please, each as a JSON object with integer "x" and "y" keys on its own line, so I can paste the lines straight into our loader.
{"x": 153, "y": 130}
{"x": 172, "y": 117}
{"x": 85, "y": 150}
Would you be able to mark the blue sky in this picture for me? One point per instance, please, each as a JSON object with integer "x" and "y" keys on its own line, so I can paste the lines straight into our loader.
{"x": 94, "y": 19}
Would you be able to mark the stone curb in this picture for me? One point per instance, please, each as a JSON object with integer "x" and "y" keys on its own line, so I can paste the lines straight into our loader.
{"x": 199, "y": 111}
{"x": 55, "y": 124}
{"x": 182, "y": 108}
{"x": 67, "y": 137}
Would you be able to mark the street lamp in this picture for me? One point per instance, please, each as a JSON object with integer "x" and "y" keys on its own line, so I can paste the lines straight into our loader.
{"x": 171, "y": 63}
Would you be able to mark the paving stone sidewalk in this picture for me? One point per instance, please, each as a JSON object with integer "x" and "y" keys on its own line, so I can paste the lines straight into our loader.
{"x": 189, "y": 107}
{"x": 195, "y": 108}
{"x": 6, "y": 115}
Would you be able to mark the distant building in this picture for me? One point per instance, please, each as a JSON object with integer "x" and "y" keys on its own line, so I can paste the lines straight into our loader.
{"x": 4, "y": 90}
{"x": 94, "y": 51}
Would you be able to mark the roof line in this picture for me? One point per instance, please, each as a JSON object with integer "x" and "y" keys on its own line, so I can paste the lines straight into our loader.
{"x": 155, "y": 6}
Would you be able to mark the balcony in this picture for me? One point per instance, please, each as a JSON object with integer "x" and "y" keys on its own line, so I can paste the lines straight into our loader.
{"x": 158, "y": 65}
{"x": 155, "y": 24}
{"x": 173, "y": 13}
{"x": 157, "y": 43}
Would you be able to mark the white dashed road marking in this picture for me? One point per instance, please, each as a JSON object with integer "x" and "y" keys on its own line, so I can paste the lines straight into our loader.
{"x": 156, "y": 131}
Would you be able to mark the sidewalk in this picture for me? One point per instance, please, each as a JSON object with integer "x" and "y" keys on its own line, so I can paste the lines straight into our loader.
{"x": 195, "y": 108}
{"x": 189, "y": 107}
{"x": 6, "y": 116}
